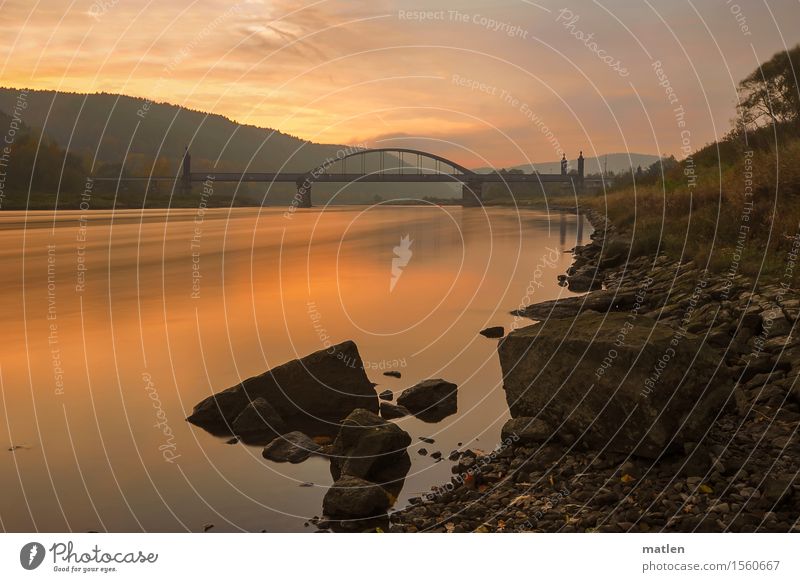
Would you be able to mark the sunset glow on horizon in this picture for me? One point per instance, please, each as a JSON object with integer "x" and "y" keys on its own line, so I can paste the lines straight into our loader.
{"x": 486, "y": 84}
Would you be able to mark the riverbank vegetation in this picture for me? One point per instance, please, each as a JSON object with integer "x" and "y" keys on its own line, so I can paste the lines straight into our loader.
{"x": 733, "y": 205}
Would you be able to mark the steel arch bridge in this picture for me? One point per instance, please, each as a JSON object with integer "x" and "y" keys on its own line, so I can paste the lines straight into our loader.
{"x": 428, "y": 168}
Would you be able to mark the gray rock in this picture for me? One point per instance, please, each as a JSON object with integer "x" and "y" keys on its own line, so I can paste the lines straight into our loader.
{"x": 601, "y": 301}
{"x": 217, "y": 413}
{"x": 580, "y": 283}
{"x": 257, "y": 419}
{"x": 354, "y": 498}
{"x": 386, "y": 395}
{"x": 774, "y": 321}
{"x": 526, "y": 430}
{"x": 430, "y": 400}
{"x": 776, "y": 489}
{"x": 563, "y": 370}
{"x": 795, "y": 393}
{"x": 493, "y": 332}
{"x": 390, "y": 411}
{"x": 292, "y": 447}
{"x": 322, "y": 387}
{"x": 371, "y": 448}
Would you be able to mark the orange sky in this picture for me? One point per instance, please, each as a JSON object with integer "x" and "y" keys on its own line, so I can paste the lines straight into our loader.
{"x": 486, "y": 83}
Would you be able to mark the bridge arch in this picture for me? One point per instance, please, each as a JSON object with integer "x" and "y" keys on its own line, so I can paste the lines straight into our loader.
{"x": 458, "y": 168}
{"x": 305, "y": 183}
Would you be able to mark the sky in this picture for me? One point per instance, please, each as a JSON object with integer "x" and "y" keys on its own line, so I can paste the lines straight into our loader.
{"x": 486, "y": 83}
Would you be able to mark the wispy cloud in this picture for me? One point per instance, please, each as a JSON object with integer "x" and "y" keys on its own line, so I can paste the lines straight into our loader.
{"x": 346, "y": 71}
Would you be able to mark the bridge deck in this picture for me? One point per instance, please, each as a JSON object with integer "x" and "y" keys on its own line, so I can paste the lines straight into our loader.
{"x": 295, "y": 177}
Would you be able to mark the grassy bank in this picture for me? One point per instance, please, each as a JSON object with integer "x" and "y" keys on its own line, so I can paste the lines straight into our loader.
{"x": 732, "y": 205}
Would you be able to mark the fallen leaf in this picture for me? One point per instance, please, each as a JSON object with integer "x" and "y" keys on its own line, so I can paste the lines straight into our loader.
{"x": 705, "y": 489}
{"x": 627, "y": 478}
{"x": 450, "y": 526}
{"x": 520, "y": 498}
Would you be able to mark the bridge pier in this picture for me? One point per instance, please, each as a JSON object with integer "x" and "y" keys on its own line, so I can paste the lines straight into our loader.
{"x": 472, "y": 193}
{"x": 186, "y": 174}
{"x": 303, "y": 197}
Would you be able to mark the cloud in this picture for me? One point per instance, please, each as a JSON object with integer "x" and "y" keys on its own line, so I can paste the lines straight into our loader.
{"x": 350, "y": 71}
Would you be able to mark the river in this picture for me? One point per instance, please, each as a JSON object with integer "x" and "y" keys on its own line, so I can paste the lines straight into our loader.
{"x": 116, "y": 324}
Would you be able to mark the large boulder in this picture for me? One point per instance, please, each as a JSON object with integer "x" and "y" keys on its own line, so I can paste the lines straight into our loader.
{"x": 217, "y": 413}
{"x": 636, "y": 387}
{"x": 526, "y": 430}
{"x": 371, "y": 448}
{"x": 320, "y": 388}
{"x": 430, "y": 400}
{"x": 292, "y": 447}
{"x": 258, "y": 419}
{"x": 354, "y": 498}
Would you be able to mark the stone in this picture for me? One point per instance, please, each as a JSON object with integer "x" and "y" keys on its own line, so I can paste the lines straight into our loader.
{"x": 392, "y": 374}
{"x": 430, "y": 400}
{"x": 354, "y": 498}
{"x": 580, "y": 283}
{"x": 526, "y": 430}
{"x": 776, "y": 489}
{"x": 369, "y": 447}
{"x": 795, "y": 393}
{"x": 493, "y": 332}
{"x": 576, "y": 375}
{"x": 774, "y": 321}
{"x": 323, "y": 387}
{"x": 696, "y": 462}
{"x": 721, "y": 508}
{"x": 600, "y": 301}
{"x": 390, "y": 411}
{"x": 217, "y": 413}
{"x": 258, "y": 419}
{"x": 386, "y": 395}
{"x": 292, "y": 447}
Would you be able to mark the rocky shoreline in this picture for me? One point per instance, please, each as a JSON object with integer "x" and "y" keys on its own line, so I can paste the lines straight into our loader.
{"x": 705, "y": 400}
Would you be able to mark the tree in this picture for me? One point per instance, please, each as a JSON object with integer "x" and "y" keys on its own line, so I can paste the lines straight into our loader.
{"x": 769, "y": 95}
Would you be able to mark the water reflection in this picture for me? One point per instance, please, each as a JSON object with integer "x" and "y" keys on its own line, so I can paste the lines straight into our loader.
{"x": 96, "y": 381}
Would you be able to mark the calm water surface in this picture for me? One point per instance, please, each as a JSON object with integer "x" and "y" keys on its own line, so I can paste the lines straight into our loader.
{"x": 115, "y": 325}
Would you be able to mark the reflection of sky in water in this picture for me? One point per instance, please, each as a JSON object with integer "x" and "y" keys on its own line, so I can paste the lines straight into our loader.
{"x": 137, "y": 352}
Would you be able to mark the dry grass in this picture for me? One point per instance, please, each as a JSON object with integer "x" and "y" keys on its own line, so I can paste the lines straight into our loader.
{"x": 741, "y": 213}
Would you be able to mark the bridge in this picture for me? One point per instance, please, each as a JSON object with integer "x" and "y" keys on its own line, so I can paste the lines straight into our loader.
{"x": 428, "y": 168}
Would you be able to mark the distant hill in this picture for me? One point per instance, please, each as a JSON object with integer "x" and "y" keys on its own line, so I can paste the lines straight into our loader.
{"x": 150, "y": 137}
{"x": 616, "y": 163}
{"x": 112, "y": 125}
{"x": 116, "y": 127}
